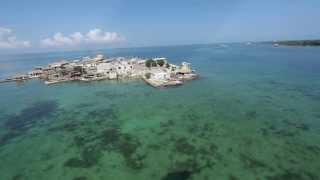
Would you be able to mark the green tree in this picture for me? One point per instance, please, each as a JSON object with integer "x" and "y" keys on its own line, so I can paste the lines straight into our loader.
{"x": 154, "y": 63}
{"x": 149, "y": 62}
{"x": 148, "y": 75}
{"x": 160, "y": 62}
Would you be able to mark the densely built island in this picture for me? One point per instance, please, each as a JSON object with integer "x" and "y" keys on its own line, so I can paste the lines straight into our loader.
{"x": 157, "y": 72}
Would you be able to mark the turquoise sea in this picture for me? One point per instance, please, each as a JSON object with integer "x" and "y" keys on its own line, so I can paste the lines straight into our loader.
{"x": 253, "y": 114}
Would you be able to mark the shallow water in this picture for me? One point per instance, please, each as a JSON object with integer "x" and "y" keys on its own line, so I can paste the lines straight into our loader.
{"x": 253, "y": 114}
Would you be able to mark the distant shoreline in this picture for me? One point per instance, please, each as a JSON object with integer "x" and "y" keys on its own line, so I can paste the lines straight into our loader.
{"x": 297, "y": 43}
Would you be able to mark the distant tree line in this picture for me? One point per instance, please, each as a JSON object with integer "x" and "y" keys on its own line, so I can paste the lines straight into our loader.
{"x": 299, "y": 43}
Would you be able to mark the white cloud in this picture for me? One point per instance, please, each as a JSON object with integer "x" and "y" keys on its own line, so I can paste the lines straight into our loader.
{"x": 94, "y": 36}
{"x": 8, "y": 40}
{"x": 77, "y": 37}
{"x": 98, "y": 36}
{"x": 58, "y": 39}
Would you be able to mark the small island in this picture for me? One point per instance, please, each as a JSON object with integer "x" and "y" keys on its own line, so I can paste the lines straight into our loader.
{"x": 297, "y": 43}
{"x": 157, "y": 72}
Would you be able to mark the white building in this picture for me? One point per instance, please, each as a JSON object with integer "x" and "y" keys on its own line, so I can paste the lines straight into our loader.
{"x": 124, "y": 68}
{"x": 57, "y": 64}
{"x": 105, "y": 67}
{"x": 90, "y": 64}
{"x": 99, "y": 57}
{"x": 113, "y": 75}
{"x": 185, "y": 68}
{"x": 160, "y": 74}
{"x": 35, "y": 73}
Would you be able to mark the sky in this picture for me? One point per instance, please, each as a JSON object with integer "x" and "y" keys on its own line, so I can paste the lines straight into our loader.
{"x": 43, "y": 25}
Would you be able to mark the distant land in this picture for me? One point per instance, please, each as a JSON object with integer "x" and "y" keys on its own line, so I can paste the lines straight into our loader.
{"x": 298, "y": 43}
